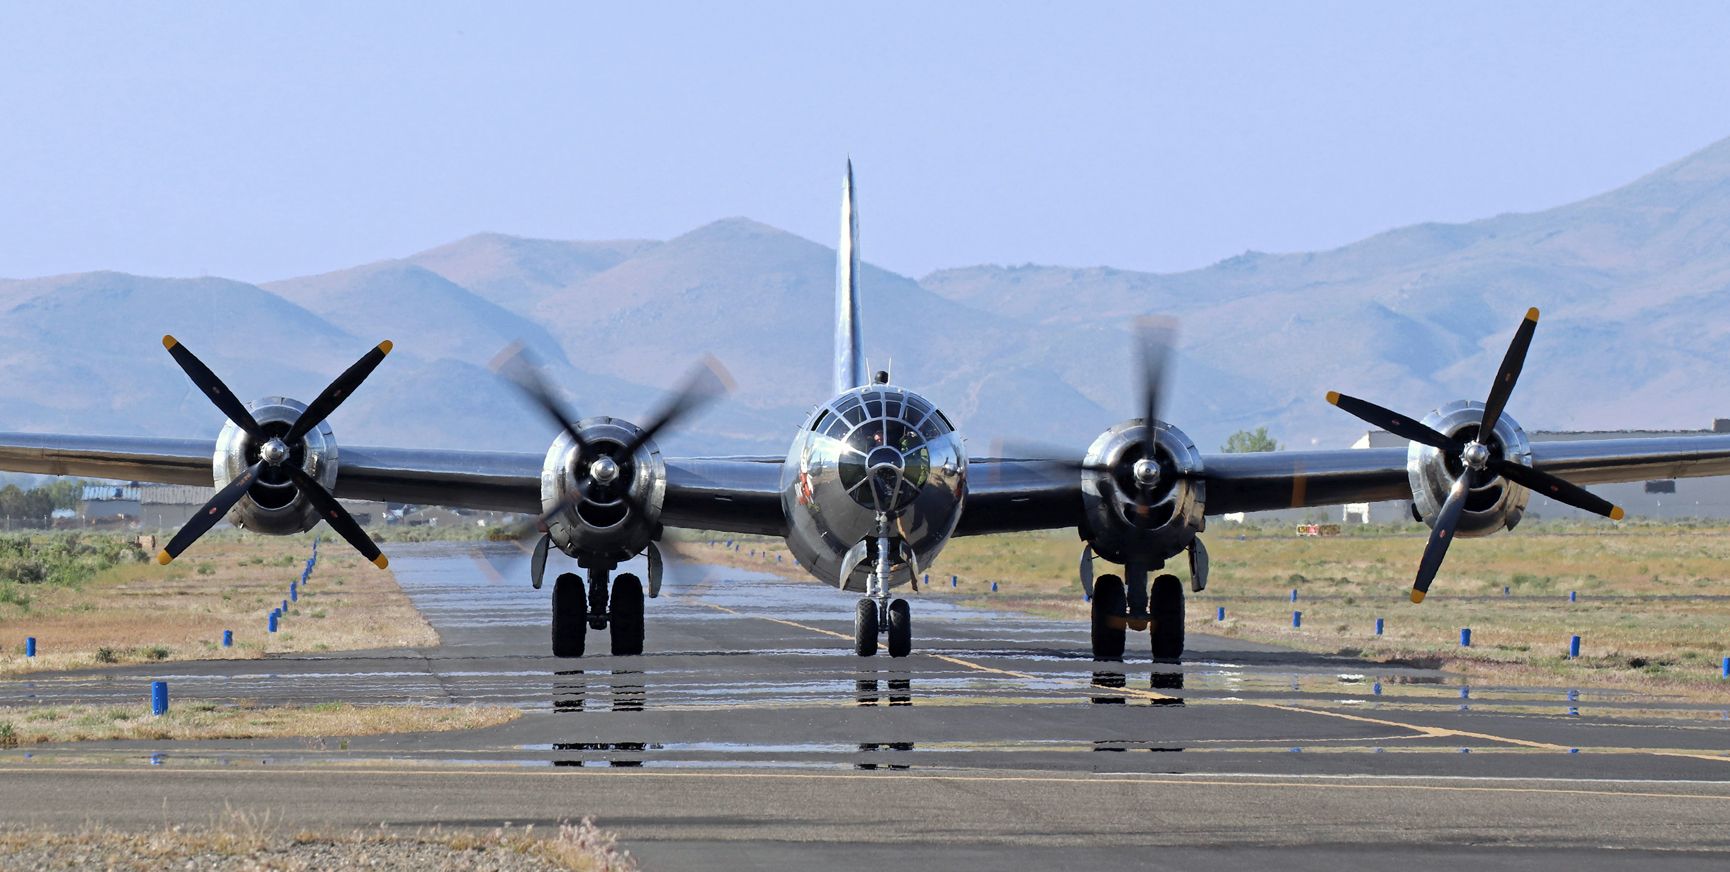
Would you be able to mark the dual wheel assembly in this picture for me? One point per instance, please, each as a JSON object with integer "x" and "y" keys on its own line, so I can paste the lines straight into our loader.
{"x": 870, "y": 621}
{"x": 1112, "y": 619}
{"x": 572, "y": 618}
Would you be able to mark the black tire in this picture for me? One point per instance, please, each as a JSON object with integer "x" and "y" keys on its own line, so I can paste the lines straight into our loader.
{"x": 1165, "y": 606}
{"x": 900, "y": 629}
{"x": 865, "y": 628}
{"x": 627, "y": 616}
{"x": 570, "y": 615}
{"x": 1108, "y": 618}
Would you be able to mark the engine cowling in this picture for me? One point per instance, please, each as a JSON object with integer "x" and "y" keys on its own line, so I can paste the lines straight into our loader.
{"x": 273, "y": 505}
{"x": 1497, "y": 504}
{"x": 603, "y": 527}
{"x": 1113, "y": 520}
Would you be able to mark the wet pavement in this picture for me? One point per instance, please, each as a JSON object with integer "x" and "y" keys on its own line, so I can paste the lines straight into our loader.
{"x": 751, "y": 673}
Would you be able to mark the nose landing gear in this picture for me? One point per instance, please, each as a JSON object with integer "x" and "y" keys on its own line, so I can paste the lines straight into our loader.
{"x": 875, "y": 613}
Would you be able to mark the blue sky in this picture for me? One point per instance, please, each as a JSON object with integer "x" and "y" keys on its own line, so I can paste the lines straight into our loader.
{"x": 265, "y": 140}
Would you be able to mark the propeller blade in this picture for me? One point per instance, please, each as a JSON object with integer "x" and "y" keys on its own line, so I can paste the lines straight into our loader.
{"x": 336, "y": 392}
{"x": 213, "y": 388}
{"x": 1556, "y": 488}
{"x": 1443, "y": 533}
{"x": 212, "y": 512}
{"x": 1155, "y": 335}
{"x": 518, "y": 366}
{"x": 1042, "y": 454}
{"x": 1393, "y": 422}
{"x": 335, "y": 515}
{"x": 706, "y": 382}
{"x": 1508, "y": 374}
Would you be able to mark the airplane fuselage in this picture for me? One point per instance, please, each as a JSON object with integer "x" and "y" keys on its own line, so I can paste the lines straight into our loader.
{"x": 876, "y": 463}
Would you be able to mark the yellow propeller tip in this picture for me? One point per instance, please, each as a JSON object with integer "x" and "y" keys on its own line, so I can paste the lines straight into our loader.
{"x": 1616, "y": 513}
{"x": 1333, "y": 398}
{"x": 163, "y": 557}
{"x": 386, "y": 346}
{"x": 169, "y": 342}
{"x": 381, "y": 561}
{"x": 1532, "y": 314}
{"x": 1417, "y": 595}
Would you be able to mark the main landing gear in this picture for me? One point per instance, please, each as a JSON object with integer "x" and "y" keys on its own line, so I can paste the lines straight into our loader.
{"x": 576, "y": 611}
{"x": 1119, "y": 608}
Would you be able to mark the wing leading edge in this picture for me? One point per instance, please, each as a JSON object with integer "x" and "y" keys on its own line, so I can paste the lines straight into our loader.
{"x": 743, "y": 494}
{"x": 1006, "y": 495}
{"x": 736, "y": 495}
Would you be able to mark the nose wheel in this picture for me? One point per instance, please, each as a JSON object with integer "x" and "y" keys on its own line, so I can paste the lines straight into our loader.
{"x": 872, "y": 619}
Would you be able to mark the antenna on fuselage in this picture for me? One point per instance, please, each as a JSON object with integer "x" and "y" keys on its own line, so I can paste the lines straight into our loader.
{"x": 849, "y": 360}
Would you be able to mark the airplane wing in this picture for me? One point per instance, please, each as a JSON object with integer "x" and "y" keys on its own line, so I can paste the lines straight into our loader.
{"x": 730, "y": 494}
{"x": 1006, "y": 495}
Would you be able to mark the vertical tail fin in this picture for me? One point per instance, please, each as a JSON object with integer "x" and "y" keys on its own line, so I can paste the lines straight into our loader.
{"x": 849, "y": 361}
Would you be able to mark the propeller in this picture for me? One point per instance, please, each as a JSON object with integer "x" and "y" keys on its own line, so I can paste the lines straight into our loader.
{"x": 275, "y": 453}
{"x": 1478, "y": 460}
{"x": 599, "y": 465}
{"x": 1155, "y": 337}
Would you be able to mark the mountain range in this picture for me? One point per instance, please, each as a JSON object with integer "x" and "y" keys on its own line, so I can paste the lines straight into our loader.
{"x": 1634, "y": 285}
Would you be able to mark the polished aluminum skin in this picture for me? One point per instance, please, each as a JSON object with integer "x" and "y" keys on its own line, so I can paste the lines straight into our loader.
{"x": 1111, "y": 520}
{"x": 1496, "y": 503}
{"x": 602, "y": 527}
{"x": 849, "y": 353}
{"x": 273, "y": 505}
{"x": 874, "y": 453}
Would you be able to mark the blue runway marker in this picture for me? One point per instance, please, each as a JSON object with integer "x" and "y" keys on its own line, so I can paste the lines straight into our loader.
{"x": 1573, "y": 596}
{"x": 1465, "y": 637}
{"x": 1219, "y": 614}
{"x": 30, "y": 646}
{"x": 228, "y": 638}
{"x": 274, "y": 620}
{"x": 1379, "y": 626}
{"x": 1294, "y": 594}
{"x": 994, "y": 587}
{"x": 293, "y": 592}
{"x": 1574, "y": 648}
{"x": 1726, "y": 672}
{"x": 1297, "y": 620}
{"x": 159, "y": 698}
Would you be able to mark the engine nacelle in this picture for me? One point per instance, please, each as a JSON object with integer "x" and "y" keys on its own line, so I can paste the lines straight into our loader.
{"x": 1112, "y": 520}
{"x": 273, "y": 505}
{"x": 1496, "y": 504}
{"x": 603, "y": 529}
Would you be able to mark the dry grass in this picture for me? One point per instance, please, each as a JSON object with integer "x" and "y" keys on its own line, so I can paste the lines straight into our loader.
{"x": 30, "y": 725}
{"x": 1654, "y": 600}
{"x": 228, "y": 581}
{"x": 256, "y": 842}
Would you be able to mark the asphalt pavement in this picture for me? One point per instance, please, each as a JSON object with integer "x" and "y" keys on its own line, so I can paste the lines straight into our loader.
{"x": 748, "y": 736}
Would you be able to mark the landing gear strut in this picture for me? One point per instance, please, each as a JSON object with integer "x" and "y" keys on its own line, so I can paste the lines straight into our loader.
{"x": 875, "y": 613}
{"x": 579, "y": 607}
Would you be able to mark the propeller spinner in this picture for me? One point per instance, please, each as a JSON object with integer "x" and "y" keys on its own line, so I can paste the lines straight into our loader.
{"x": 1479, "y": 460}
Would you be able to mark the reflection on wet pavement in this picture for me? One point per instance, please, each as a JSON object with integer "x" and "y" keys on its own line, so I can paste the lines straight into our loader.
{"x": 739, "y": 672}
